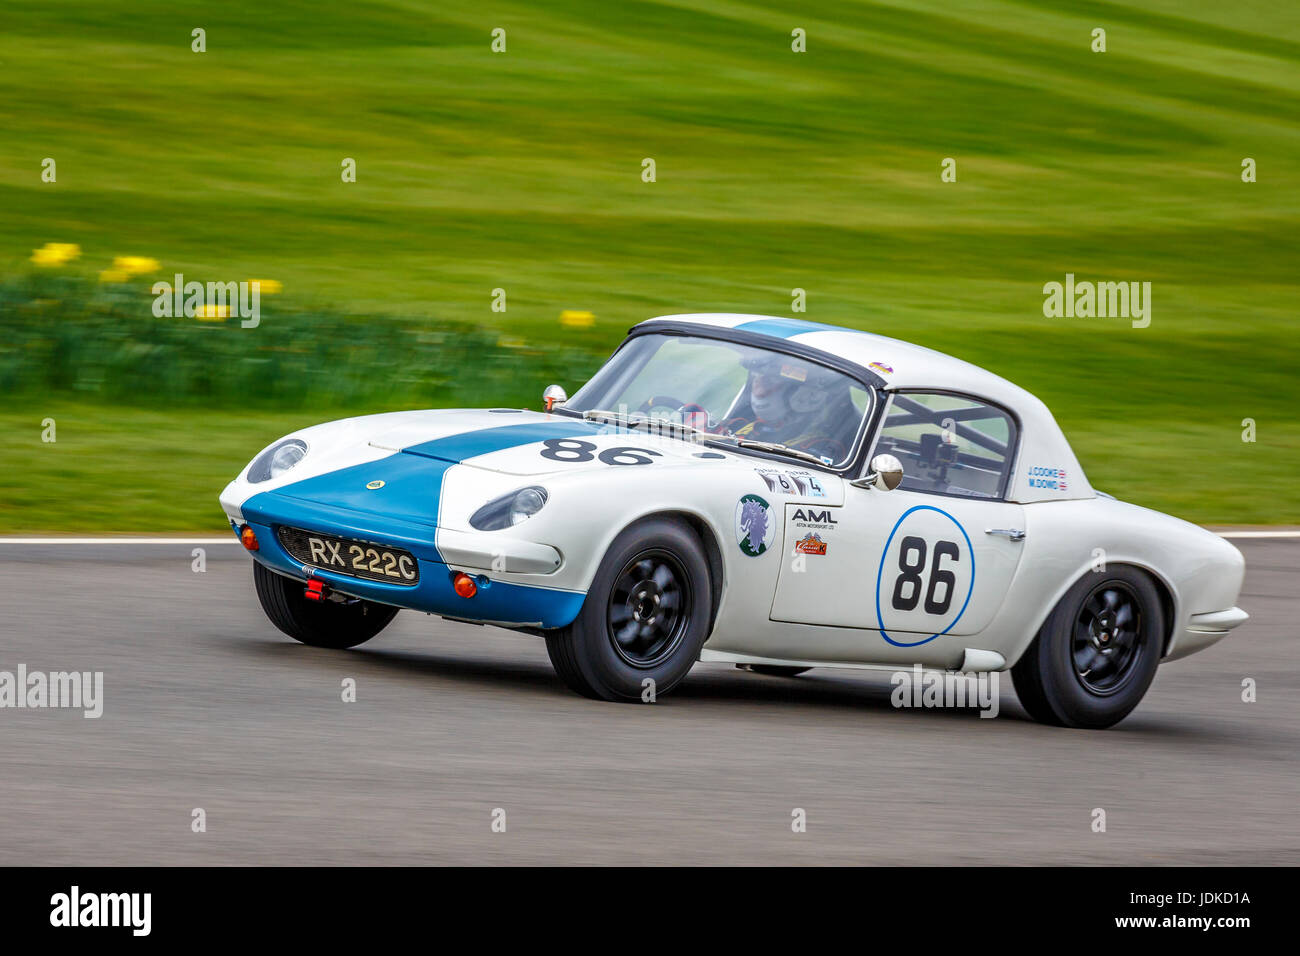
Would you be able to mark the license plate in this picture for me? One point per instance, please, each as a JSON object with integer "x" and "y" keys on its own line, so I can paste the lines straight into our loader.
{"x": 361, "y": 559}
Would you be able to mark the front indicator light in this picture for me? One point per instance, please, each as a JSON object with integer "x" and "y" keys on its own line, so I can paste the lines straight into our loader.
{"x": 248, "y": 538}
{"x": 464, "y": 585}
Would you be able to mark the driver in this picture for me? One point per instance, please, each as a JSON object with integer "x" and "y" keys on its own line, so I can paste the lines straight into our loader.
{"x": 769, "y": 397}
{"x": 789, "y": 402}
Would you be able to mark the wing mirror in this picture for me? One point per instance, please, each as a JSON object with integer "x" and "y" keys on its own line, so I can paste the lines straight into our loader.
{"x": 885, "y": 475}
{"x": 554, "y": 395}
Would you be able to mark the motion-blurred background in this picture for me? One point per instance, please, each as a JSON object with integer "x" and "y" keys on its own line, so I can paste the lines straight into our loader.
{"x": 522, "y": 171}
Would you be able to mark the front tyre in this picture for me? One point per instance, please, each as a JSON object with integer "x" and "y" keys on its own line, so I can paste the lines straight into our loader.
{"x": 645, "y": 618}
{"x": 1097, "y": 652}
{"x": 318, "y": 623}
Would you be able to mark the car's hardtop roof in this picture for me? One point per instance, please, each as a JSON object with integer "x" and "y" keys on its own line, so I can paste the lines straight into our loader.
{"x": 902, "y": 366}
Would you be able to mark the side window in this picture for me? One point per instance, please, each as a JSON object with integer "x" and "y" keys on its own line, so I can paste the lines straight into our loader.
{"x": 949, "y": 444}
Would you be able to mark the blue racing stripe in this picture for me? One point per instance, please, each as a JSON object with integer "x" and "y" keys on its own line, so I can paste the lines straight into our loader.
{"x": 457, "y": 448}
{"x": 412, "y": 487}
{"x": 403, "y": 512}
{"x": 786, "y": 328}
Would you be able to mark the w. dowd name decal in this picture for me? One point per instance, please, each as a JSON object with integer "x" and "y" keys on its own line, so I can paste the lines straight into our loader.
{"x": 926, "y": 577}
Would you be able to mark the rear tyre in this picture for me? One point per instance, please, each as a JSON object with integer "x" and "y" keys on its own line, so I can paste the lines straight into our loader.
{"x": 776, "y": 670}
{"x": 646, "y": 615}
{"x": 1096, "y": 654}
{"x": 318, "y": 623}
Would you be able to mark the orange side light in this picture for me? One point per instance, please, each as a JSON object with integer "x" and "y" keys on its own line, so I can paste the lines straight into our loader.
{"x": 247, "y": 538}
{"x": 464, "y": 585}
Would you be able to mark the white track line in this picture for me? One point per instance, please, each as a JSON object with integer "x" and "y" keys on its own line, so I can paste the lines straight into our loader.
{"x": 230, "y": 540}
{"x": 1258, "y": 534}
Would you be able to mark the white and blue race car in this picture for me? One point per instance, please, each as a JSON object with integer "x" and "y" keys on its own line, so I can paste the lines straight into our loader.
{"x": 769, "y": 492}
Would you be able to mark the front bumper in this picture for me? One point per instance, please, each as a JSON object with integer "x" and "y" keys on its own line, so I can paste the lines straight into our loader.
{"x": 497, "y": 601}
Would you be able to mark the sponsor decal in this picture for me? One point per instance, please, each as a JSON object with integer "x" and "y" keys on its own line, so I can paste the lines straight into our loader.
{"x": 881, "y": 367}
{"x": 794, "y": 372}
{"x": 755, "y": 528}
{"x": 811, "y": 543}
{"x": 821, "y": 519}
{"x": 374, "y": 485}
{"x": 802, "y": 483}
{"x": 1053, "y": 479}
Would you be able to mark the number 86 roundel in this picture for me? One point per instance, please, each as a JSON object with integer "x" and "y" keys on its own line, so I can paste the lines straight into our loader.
{"x": 925, "y": 578}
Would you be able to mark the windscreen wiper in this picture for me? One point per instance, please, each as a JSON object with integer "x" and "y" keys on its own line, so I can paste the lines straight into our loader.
{"x": 666, "y": 425}
{"x": 604, "y": 415}
{"x": 779, "y": 449}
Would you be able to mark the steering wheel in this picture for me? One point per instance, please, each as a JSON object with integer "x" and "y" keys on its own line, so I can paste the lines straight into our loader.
{"x": 693, "y": 414}
{"x": 663, "y": 401}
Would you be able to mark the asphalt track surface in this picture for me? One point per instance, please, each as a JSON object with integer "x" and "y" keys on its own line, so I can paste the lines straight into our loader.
{"x": 207, "y": 705}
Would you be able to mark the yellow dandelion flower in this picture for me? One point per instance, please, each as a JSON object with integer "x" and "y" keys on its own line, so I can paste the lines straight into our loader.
{"x": 113, "y": 275}
{"x": 56, "y": 253}
{"x": 577, "y": 318}
{"x": 212, "y": 313}
{"x": 135, "y": 265}
{"x": 267, "y": 286}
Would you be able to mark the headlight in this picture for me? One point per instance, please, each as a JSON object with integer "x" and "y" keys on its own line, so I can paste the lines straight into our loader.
{"x": 509, "y": 510}
{"x": 276, "y": 460}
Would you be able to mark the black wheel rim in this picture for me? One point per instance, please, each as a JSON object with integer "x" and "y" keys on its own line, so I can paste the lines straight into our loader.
{"x": 1108, "y": 638}
{"x": 649, "y": 608}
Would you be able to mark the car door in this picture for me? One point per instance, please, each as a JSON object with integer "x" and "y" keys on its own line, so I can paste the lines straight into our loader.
{"x": 933, "y": 557}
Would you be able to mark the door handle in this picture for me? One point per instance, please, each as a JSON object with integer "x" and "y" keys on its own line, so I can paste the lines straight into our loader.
{"x": 1015, "y": 534}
